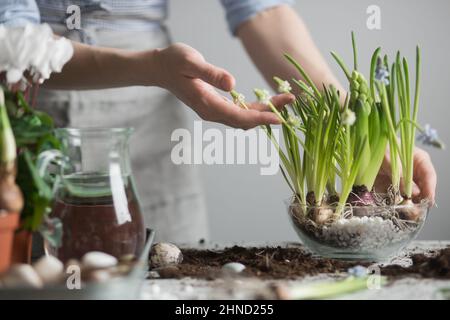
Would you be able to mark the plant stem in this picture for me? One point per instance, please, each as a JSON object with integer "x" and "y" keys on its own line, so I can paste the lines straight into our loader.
{"x": 7, "y": 142}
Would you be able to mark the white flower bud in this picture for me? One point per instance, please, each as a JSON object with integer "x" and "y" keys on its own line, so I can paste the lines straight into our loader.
{"x": 284, "y": 87}
{"x": 293, "y": 121}
{"x": 263, "y": 96}
{"x": 348, "y": 117}
{"x": 238, "y": 98}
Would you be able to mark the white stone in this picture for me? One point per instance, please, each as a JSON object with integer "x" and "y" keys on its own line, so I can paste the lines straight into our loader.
{"x": 363, "y": 233}
{"x": 233, "y": 267}
{"x": 164, "y": 254}
{"x": 99, "y": 276}
{"x": 21, "y": 276}
{"x": 98, "y": 260}
{"x": 49, "y": 269}
{"x": 71, "y": 263}
{"x": 155, "y": 289}
{"x": 188, "y": 289}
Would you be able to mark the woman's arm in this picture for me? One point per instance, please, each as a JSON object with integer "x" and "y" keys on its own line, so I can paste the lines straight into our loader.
{"x": 273, "y": 32}
{"x": 177, "y": 68}
{"x": 99, "y": 68}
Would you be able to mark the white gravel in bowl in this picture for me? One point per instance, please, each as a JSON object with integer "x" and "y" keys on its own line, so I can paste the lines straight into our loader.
{"x": 364, "y": 233}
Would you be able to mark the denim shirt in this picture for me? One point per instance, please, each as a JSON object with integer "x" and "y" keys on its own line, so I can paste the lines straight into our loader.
{"x": 131, "y": 15}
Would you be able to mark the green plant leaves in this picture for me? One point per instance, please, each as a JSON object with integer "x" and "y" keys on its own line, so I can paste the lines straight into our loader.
{"x": 353, "y": 151}
{"x": 33, "y": 131}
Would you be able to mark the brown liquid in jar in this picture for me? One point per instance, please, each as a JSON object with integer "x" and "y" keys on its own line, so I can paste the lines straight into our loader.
{"x": 96, "y": 224}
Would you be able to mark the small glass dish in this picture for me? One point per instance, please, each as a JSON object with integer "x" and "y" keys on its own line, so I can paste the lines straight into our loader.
{"x": 369, "y": 233}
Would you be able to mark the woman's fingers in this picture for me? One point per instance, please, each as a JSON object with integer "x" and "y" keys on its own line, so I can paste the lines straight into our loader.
{"x": 195, "y": 86}
{"x": 197, "y": 67}
{"x": 424, "y": 174}
{"x": 279, "y": 101}
{"x": 283, "y": 99}
{"x": 212, "y": 106}
{"x": 247, "y": 119}
{"x": 215, "y": 76}
{"x": 190, "y": 63}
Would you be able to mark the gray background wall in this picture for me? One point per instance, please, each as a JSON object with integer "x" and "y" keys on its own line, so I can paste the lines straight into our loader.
{"x": 242, "y": 204}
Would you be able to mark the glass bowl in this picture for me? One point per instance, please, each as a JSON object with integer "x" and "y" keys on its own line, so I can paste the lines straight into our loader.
{"x": 360, "y": 233}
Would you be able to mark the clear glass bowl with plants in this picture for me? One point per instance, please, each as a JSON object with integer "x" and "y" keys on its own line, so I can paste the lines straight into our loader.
{"x": 335, "y": 144}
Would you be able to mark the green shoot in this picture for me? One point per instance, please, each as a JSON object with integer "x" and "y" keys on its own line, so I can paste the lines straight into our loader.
{"x": 331, "y": 150}
{"x": 7, "y": 141}
{"x": 324, "y": 290}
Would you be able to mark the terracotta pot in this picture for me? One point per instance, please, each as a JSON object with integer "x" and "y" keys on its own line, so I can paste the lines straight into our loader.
{"x": 8, "y": 224}
{"x": 22, "y": 244}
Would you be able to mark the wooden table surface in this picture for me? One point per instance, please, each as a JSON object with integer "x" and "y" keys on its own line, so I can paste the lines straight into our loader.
{"x": 244, "y": 288}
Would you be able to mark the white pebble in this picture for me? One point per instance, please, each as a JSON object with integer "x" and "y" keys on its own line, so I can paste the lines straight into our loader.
{"x": 99, "y": 276}
{"x": 21, "y": 276}
{"x": 363, "y": 233}
{"x": 98, "y": 260}
{"x": 187, "y": 289}
{"x": 49, "y": 269}
{"x": 153, "y": 274}
{"x": 155, "y": 289}
{"x": 72, "y": 262}
{"x": 233, "y": 267}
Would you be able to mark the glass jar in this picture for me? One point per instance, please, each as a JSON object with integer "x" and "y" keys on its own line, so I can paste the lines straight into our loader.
{"x": 95, "y": 194}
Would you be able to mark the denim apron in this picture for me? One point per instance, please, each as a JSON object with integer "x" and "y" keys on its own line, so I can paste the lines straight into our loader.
{"x": 171, "y": 195}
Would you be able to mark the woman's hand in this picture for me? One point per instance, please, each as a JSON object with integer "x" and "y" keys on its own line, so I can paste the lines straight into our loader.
{"x": 177, "y": 68}
{"x": 424, "y": 176}
{"x": 183, "y": 71}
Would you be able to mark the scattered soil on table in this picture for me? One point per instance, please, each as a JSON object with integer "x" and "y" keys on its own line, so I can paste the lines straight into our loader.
{"x": 435, "y": 264}
{"x": 290, "y": 263}
{"x": 264, "y": 263}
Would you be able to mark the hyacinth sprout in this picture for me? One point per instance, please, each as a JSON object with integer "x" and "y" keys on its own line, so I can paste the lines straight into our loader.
{"x": 333, "y": 150}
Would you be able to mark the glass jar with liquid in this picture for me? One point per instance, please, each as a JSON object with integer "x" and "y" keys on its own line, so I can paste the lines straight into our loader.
{"x": 95, "y": 195}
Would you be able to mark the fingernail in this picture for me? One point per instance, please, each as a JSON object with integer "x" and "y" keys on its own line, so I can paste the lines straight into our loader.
{"x": 227, "y": 82}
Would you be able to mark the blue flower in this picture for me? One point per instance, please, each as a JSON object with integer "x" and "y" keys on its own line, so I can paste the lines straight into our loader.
{"x": 357, "y": 271}
{"x": 382, "y": 73}
{"x": 429, "y": 137}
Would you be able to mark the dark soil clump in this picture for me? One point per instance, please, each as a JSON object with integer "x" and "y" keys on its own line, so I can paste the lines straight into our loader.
{"x": 291, "y": 263}
{"x": 435, "y": 266}
{"x": 264, "y": 263}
